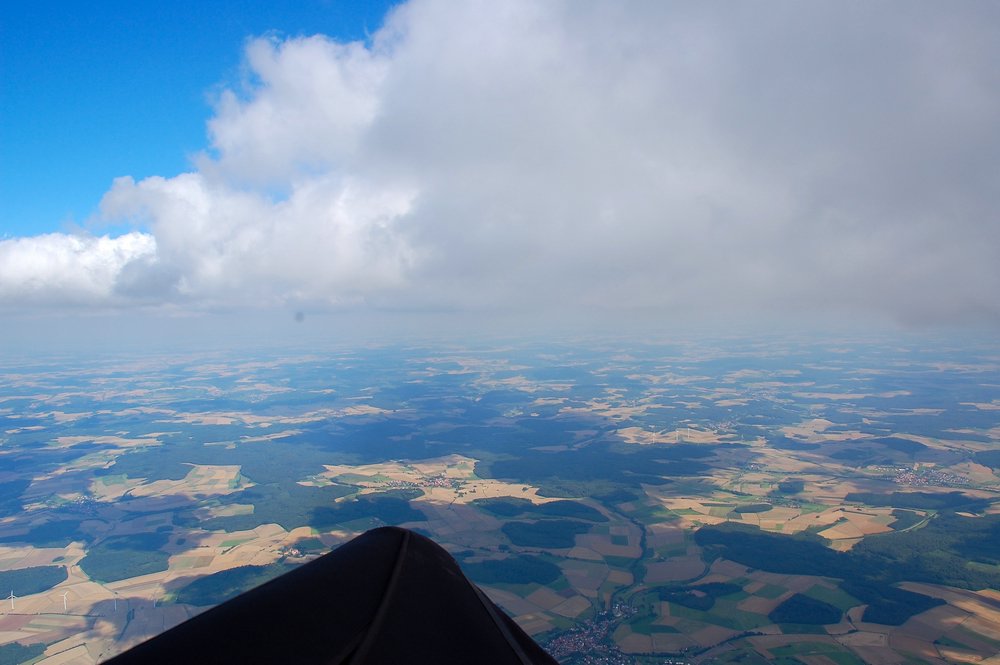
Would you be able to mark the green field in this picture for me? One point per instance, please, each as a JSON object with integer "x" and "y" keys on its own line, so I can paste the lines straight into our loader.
{"x": 835, "y": 597}
{"x": 834, "y": 652}
{"x": 724, "y": 613}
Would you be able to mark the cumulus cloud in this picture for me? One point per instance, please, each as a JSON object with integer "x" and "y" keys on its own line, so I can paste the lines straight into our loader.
{"x": 332, "y": 239}
{"x": 657, "y": 157}
{"x": 307, "y": 105}
{"x": 63, "y": 269}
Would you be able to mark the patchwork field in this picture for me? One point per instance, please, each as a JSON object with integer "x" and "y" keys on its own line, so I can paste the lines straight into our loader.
{"x": 701, "y": 502}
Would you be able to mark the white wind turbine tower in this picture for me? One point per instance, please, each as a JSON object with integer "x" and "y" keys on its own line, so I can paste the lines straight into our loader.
{"x": 12, "y": 597}
{"x": 64, "y": 594}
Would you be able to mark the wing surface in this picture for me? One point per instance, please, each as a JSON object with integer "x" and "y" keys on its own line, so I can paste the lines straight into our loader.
{"x": 388, "y": 596}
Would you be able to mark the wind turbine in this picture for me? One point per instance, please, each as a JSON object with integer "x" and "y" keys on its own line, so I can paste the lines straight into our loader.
{"x": 116, "y": 601}
{"x": 12, "y": 597}
{"x": 64, "y": 594}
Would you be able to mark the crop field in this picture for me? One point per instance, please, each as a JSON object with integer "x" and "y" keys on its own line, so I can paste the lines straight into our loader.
{"x": 624, "y": 499}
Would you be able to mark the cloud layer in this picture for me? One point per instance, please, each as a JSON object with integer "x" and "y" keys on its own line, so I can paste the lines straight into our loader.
{"x": 778, "y": 158}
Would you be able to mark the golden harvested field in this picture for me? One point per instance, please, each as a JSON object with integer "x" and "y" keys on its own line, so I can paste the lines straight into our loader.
{"x": 640, "y": 436}
{"x": 444, "y": 480}
{"x": 117, "y": 441}
{"x": 814, "y": 431}
{"x": 34, "y": 627}
{"x": 200, "y": 481}
{"x": 855, "y": 524}
{"x": 843, "y": 523}
{"x": 982, "y": 615}
{"x": 26, "y": 556}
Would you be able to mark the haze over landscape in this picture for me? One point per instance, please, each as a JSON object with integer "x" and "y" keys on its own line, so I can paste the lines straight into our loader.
{"x": 608, "y": 299}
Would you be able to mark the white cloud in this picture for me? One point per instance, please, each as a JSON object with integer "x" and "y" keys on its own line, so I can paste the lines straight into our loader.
{"x": 306, "y": 107}
{"x": 332, "y": 240}
{"x": 62, "y": 269}
{"x": 779, "y": 158}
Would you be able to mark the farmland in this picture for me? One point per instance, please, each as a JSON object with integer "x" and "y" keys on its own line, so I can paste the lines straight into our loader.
{"x": 708, "y": 502}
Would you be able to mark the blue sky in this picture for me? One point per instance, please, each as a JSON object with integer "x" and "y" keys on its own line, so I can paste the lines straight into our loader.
{"x": 566, "y": 160}
{"x": 92, "y": 91}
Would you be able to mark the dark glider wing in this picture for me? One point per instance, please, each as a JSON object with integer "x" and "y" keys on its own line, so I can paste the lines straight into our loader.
{"x": 388, "y": 596}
